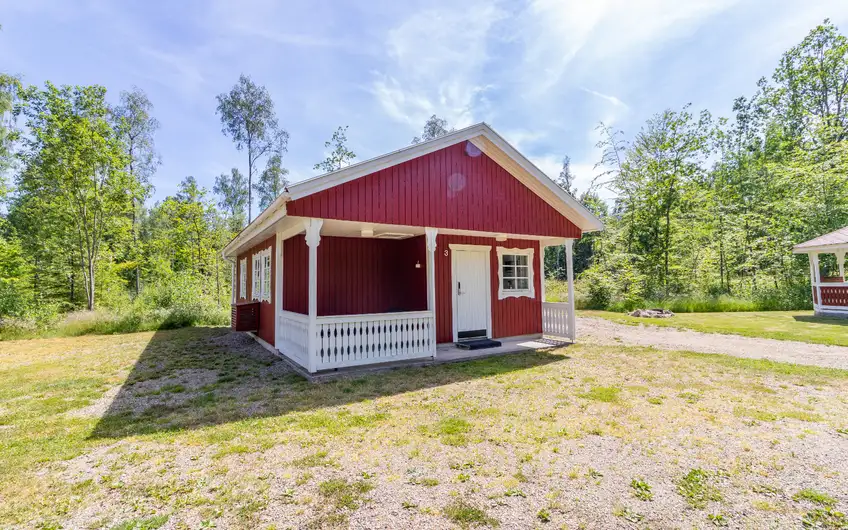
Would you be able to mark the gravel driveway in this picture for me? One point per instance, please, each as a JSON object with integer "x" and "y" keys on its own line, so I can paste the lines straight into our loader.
{"x": 601, "y": 331}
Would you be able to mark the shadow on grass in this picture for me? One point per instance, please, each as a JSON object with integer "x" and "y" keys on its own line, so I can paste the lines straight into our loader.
{"x": 821, "y": 320}
{"x": 195, "y": 377}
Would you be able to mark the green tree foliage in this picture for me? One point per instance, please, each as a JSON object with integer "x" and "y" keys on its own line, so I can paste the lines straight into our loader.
{"x": 74, "y": 187}
{"x": 135, "y": 127}
{"x": 248, "y": 117}
{"x": 272, "y": 182}
{"x": 232, "y": 190}
{"x": 340, "y": 156}
{"x": 433, "y": 128}
{"x": 709, "y": 208}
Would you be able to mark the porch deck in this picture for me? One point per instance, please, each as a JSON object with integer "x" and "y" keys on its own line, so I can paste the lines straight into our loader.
{"x": 445, "y": 354}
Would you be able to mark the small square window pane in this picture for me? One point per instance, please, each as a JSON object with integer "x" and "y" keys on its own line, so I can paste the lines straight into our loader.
{"x": 521, "y": 260}
{"x": 508, "y": 284}
{"x": 523, "y": 284}
{"x": 508, "y": 259}
{"x": 522, "y": 272}
{"x": 509, "y": 272}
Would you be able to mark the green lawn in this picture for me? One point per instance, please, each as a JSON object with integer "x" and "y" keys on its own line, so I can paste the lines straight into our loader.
{"x": 783, "y": 325}
{"x": 201, "y": 428}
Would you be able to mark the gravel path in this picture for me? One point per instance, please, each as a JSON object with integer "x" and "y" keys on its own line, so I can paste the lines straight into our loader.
{"x": 599, "y": 330}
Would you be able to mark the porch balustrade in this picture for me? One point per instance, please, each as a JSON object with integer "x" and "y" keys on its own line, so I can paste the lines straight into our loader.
{"x": 555, "y": 320}
{"x": 355, "y": 340}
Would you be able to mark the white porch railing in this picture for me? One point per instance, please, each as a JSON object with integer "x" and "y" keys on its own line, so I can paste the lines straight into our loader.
{"x": 293, "y": 336}
{"x": 376, "y": 338}
{"x": 355, "y": 340}
{"x": 555, "y": 319}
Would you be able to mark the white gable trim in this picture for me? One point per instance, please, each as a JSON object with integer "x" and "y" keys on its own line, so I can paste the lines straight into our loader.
{"x": 525, "y": 171}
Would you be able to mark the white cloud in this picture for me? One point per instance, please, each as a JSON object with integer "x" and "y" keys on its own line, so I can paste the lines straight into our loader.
{"x": 436, "y": 60}
{"x": 603, "y": 34}
{"x": 178, "y": 71}
{"x": 606, "y": 97}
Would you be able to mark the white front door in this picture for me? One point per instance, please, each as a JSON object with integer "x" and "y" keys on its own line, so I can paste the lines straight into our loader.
{"x": 471, "y": 289}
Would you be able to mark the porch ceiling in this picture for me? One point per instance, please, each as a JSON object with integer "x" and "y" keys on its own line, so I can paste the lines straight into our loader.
{"x": 334, "y": 227}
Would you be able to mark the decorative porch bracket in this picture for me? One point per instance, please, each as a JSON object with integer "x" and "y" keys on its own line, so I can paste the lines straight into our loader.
{"x": 313, "y": 239}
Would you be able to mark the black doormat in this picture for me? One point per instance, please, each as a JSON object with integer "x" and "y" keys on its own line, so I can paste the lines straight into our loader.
{"x": 477, "y": 344}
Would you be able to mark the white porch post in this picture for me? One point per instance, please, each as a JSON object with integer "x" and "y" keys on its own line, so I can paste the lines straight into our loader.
{"x": 313, "y": 238}
{"x": 840, "y": 261}
{"x": 430, "y": 234}
{"x": 235, "y": 279}
{"x": 817, "y": 272}
{"x": 572, "y": 321}
{"x": 813, "y": 280}
{"x": 542, "y": 248}
{"x": 278, "y": 291}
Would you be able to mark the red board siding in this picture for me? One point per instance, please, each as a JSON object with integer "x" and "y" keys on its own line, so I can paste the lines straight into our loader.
{"x": 296, "y": 275}
{"x": 356, "y": 275}
{"x": 444, "y": 189}
{"x": 510, "y": 317}
{"x": 266, "y": 309}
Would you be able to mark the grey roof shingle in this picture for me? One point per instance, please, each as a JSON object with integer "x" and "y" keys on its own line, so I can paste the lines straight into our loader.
{"x": 835, "y": 238}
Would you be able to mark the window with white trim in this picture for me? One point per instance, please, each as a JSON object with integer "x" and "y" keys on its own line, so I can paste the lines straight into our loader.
{"x": 256, "y": 284}
{"x": 515, "y": 272}
{"x": 261, "y": 286}
{"x": 243, "y": 278}
{"x": 266, "y": 275}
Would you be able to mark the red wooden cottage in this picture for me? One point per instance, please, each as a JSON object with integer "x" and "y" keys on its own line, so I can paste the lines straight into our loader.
{"x": 439, "y": 242}
{"x": 830, "y": 293}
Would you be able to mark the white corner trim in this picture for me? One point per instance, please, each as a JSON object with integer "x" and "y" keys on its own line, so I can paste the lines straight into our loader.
{"x": 517, "y": 293}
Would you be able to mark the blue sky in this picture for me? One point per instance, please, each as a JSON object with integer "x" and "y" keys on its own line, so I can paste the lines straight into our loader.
{"x": 542, "y": 72}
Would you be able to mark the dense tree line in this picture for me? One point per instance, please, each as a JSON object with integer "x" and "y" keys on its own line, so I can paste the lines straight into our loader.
{"x": 77, "y": 230}
{"x": 706, "y": 207}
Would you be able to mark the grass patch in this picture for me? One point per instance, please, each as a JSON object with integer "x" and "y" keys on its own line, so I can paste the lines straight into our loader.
{"x": 343, "y": 494}
{"x": 147, "y": 523}
{"x": 318, "y": 459}
{"x": 641, "y": 490}
{"x": 466, "y": 514}
{"x": 763, "y": 415}
{"x": 696, "y": 488}
{"x": 452, "y": 430}
{"x": 781, "y": 325}
{"x": 815, "y": 497}
{"x": 826, "y": 518}
{"x": 604, "y": 394}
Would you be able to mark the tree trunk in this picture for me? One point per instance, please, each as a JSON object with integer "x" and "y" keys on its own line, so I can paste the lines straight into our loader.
{"x": 90, "y": 285}
{"x": 135, "y": 250}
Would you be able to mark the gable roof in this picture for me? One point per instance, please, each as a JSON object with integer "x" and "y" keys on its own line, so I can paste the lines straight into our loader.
{"x": 837, "y": 238}
{"x": 481, "y": 135}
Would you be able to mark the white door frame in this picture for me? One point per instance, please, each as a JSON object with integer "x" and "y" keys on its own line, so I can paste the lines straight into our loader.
{"x": 487, "y": 249}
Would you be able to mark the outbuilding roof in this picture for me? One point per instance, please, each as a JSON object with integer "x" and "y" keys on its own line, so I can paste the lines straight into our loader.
{"x": 831, "y": 241}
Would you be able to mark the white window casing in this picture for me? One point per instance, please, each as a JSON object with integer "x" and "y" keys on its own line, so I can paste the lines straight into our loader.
{"x": 243, "y": 278}
{"x": 266, "y": 275}
{"x": 515, "y": 273}
{"x": 261, "y": 285}
{"x": 256, "y": 284}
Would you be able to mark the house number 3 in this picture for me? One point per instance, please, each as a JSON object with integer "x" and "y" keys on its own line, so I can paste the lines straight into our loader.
{"x": 446, "y": 252}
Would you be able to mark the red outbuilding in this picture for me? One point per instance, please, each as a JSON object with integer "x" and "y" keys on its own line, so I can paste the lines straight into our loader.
{"x": 439, "y": 242}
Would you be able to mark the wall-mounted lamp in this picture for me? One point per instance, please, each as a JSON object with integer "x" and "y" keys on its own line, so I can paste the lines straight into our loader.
{"x": 417, "y": 264}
